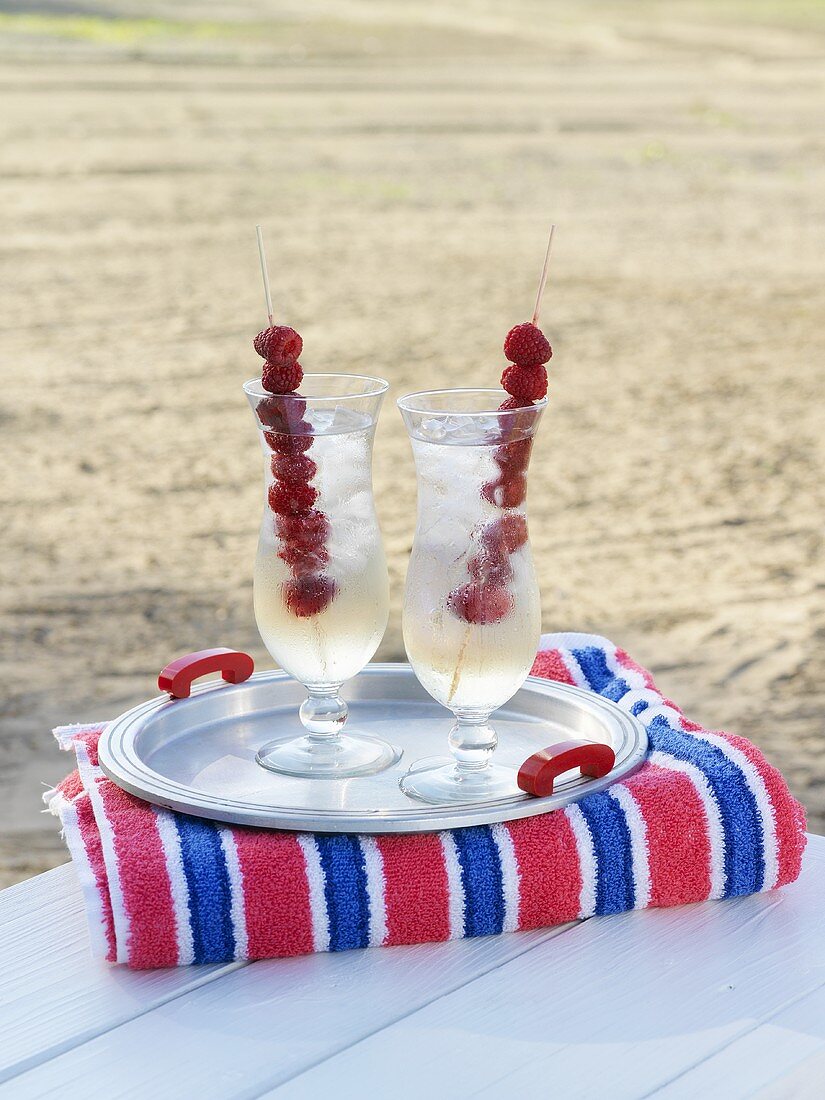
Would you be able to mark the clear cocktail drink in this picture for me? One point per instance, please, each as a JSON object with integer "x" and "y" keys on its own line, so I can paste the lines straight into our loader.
{"x": 466, "y": 664}
{"x": 335, "y": 643}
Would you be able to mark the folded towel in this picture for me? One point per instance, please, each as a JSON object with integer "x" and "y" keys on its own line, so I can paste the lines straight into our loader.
{"x": 704, "y": 817}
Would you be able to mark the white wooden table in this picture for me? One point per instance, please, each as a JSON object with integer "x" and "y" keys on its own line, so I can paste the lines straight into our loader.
{"x": 725, "y": 999}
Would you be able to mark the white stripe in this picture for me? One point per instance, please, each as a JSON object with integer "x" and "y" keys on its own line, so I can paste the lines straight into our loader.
{"x": 376, "y": 886}
{"x": 89, "y": 777}
{"x": 67, "y": 813}
{"x": 639, "y": 855}
{"x": 587, "y": 859}
{"x": 574, "y": 668}
{"x": 317, "y": 899}
{"x": 179, "y": 888}
{"x": 633, "y": 679}
{"x": 238, "y": 911}
{"x": 510, "y": 876}
{"x": 670, "y": 715}
{"x": 763, "y": 801}
{"x": 716, "y": 832}
{"x": 455, "y": 887}
{"x": 572, "y": 639}
{"x": 640, "y": 695}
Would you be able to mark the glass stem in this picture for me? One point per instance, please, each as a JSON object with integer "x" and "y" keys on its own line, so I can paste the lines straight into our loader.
{"x": 472, "y": 742}
{"x": 323, "y": 713}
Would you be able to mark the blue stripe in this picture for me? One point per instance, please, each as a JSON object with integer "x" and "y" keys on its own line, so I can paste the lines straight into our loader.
{"x": 615, "y": 890}
{"x": 345, "y": 891}
{"x": 638, "y": 707}
{"x": 615, "y": 690}
{"x": 210, "y": 895}
{"x": 481, "y": 878}
{"x": 600, "y": 678}
{"x": 744, "y": 841}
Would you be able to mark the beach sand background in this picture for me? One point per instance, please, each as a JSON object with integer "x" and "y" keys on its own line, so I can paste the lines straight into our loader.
{"x": 405, "y": 160}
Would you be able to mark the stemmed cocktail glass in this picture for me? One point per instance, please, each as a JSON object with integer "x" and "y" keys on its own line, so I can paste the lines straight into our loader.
{"x": 472, "y": 615}
{"x": 321, "y": 589}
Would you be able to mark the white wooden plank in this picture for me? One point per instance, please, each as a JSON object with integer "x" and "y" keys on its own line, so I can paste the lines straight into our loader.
{"x": 789, "y": 1046}
{"x": 53, "y": 995}
{"x": 633, "y": 1000}
{"x": 254, "y": 1028}
{"x": 802, "y": 1083}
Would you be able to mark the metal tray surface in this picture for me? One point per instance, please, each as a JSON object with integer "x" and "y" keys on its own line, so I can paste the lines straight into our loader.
{"x": 197, "y": 755}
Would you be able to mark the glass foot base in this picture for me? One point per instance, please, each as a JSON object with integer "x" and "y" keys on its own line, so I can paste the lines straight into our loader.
{"x": 341, "y": 757}
{"x": 441, "y": 782}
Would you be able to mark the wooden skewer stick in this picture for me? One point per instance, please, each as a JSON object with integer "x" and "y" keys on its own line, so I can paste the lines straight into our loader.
{"x": 543, "y": 279}
{"x": 462, "y": 651}
{"x": 264, "y": 273}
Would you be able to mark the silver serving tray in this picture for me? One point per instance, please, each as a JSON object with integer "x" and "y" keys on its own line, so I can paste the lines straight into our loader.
{"x": 197, "y": 755}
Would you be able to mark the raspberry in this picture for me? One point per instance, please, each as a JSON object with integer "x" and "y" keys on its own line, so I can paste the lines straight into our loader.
{"x": 516, "y": 423}
{"x": 291, "y": 498}
{"x": 282, "y": 377}
{"x": 508, "y": 533}
{"x": 284, "y": 412}
{"x": 513, "y": 457}
{"x": 304, "y": 559}
{"x": 290, "y": 467}
{"x": 513, "y": 403}
{"x": 527, "y": 346}
{"x": 278, "y": 343}
{"x": 306, "y": 531}
{"x": 508, "y": 492}
{"x": 287, "y": 444}
{"x": 526, "y": 382}
{"x": 309, "y": 595}
{"x": 490, "y": 566}
{"x": 479, "y": 603}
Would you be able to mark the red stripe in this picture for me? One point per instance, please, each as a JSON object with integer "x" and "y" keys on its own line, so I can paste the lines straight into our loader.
{"x": 71, "y": 787}
{"x": 691, "y": 727}
{"x": 549, "y": 664}
{"x": 90, "y": 836}
{"x": 144, "y": 880}
{"x": 677, "y": 835}
{"x": 416, "y": 894}
{"x": 789, "y": 814}
{"x": 276, "y": 894}
{"x": 548, "y": 862}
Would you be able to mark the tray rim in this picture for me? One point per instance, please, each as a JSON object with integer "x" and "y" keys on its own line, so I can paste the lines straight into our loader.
{"x": 169, "y": 794}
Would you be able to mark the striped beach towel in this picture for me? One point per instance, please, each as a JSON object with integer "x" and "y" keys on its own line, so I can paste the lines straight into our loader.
{"x": 704, "y": 817}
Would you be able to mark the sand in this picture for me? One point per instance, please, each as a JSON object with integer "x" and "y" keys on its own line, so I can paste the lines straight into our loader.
{"x": 405, "y": 161}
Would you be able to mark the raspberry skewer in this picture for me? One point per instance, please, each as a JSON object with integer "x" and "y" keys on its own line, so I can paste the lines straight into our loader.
{"x": 301, "y": 527}
{"x": 485, "y": 598}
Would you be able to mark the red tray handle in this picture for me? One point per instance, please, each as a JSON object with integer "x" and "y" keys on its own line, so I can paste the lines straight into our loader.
{"x": 177, "y": 677}
{"x": 539, "y": 772}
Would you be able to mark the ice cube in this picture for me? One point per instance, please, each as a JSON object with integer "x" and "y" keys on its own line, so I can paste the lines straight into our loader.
{"x": 487, "y": 426}
{"x": 433, "y": 428}
{"x": 321, "y": 419}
